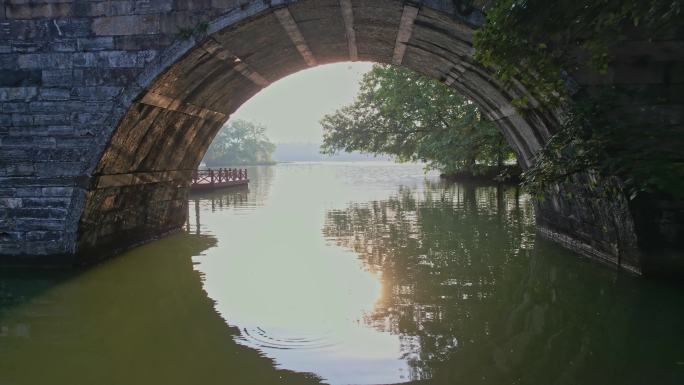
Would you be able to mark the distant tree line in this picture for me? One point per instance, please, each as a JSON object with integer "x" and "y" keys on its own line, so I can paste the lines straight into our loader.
{"x": 240, "y": 143}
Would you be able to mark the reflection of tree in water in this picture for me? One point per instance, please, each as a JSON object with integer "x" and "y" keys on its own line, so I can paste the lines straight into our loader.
{"x": 474, "y": 298}
{"x": 446, "y": 245}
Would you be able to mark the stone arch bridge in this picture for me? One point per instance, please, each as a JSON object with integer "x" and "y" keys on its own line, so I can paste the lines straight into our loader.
{"x": 107, "y": 106}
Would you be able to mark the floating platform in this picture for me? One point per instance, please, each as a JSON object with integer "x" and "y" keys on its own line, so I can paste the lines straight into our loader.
{"x": 210, "y": 179}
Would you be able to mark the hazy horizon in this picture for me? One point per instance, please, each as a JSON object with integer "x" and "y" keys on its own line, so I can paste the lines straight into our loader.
{"x": 292, "y": 107}
{"x": 307, "y": 151}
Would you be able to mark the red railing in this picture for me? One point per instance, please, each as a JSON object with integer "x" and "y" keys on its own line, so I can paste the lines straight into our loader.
{"x": 221, "y": 175}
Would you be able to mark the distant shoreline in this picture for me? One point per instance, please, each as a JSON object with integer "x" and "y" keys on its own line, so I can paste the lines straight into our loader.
{"x": 274, "y": 163}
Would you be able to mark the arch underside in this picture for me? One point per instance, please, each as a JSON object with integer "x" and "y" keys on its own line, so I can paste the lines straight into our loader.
{"x": 139, "y": 186}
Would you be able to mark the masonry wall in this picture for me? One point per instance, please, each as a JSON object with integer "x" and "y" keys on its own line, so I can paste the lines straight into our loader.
{"x": 65, "y": 67}
{"x": 69, "y": 71}
{"x": 105, "y": 107}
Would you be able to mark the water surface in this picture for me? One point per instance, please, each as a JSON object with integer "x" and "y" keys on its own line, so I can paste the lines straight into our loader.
{"x": 344, "y": 273}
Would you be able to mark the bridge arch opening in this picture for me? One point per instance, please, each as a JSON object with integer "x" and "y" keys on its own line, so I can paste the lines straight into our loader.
{"x": 168, "y": 118}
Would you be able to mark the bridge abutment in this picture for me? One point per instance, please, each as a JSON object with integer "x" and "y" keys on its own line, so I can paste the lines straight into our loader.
{"x": 106, "y": 108}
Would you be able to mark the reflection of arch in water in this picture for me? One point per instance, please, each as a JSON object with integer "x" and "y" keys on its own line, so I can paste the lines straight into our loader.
{"x": 475, "y": 298}
{"x": 142, "y": 319}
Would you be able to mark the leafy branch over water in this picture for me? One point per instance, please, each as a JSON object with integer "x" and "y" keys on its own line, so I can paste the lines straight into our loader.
{"x": 399, "y": 112}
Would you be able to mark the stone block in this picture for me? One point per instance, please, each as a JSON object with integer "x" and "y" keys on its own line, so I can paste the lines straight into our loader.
{"x": 193, "y": 5}
{"x": 110, "y": 59}
{"x": 12, "y": 107}
{"x": 39, "y": 213}
{"x": 24, "y": 30}
{"x": 154, "y": 6}
{"x": 27, "y": 141}
{"x": 19, "y": 120}
{"x": 44, "y": 235}
{"x": 71, "y": 142}
{"x": 29, "y": 46}
{"x": 44, "y": 202}
{"x": 45, "y": 60}
{"x": 67, "y": 106}
{"x": 49, "y": 10}
{"x": 60, "y": 169}
{"x": 8, "y": 156}
{"x": 224, "y": 4}
{"x": 126, "y": 25}
{"x": 51, "y": 119}
{"x": 37, "y": 224}
{"x": 23, "y": 192}
{"x": 102, "y": 43}
{"x": 20, "y": 169}
{"x": 143, "y": 42}
{"x": 8, "y": 61}
{"x": 47, "y": 248}
{"x": 88, "y": 118}
{"x": 11, "y": 236}
{"x": 70, "y": 27}
{"x": 11, "y": 203}
{"x": 5, "y": 120}
{"x": 54, "y": 94}
{"x": 18, "y": 78}
{"x": 8, "y": 192}
{"x": 56, "y": 78}
{"x": 18, "y": 93}
{"x": 43, "y": 30}
{"x": 106, "y": 8}
{"x": 59, "y": 130}
{"x": 107, "y": 77}
{"x": 57, "y": 191}
{"x": 61, "y": 154}
{"x": 63, "y": 45}
{"x": 99, "y": 93}
{"x": 11, "y": 248}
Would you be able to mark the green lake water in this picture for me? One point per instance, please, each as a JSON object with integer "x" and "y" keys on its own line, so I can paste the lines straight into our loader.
{"x": 344, "y": 273}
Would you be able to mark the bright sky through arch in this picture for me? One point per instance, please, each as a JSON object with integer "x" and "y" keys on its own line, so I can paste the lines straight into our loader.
{"x": 292, "y": 107}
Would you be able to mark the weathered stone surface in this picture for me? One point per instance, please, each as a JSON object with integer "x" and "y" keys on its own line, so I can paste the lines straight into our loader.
{"x": 56, "y": 78}
{"x": 18, "y": 78}
{"x": 37, "y": 10}
{"x": 105, "y": 106}
{"x": 96, "y": 43}
{"x": 126, "y": 25}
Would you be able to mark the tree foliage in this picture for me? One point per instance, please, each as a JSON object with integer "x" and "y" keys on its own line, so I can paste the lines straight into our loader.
{"x": 238, "y": 143}
{"x": 537, "y": 44}
{"x": 399, "y": 112}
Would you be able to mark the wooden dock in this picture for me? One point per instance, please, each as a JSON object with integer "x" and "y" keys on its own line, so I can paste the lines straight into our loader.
{"x": 210, "y": 179}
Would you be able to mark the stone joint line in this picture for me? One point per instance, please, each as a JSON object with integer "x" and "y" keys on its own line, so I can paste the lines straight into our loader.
{"x": 290, "y": 25}
{"x": 220, "y": 52}
{"x": 454, "y": 74}
{"x": 161, "y": 101}
{"x": 502, "y": 113}
{"x": 408, "y": 16}
{"x": 136, "y": 178}
{"x": 348, "y": 16}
